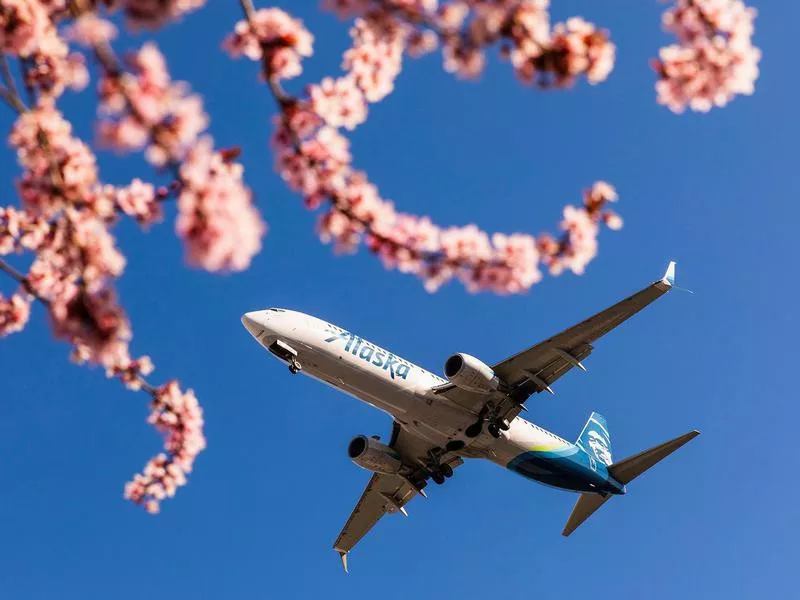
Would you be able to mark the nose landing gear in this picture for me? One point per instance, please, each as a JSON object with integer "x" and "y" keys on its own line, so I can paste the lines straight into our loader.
{"x": 294, "y": 366}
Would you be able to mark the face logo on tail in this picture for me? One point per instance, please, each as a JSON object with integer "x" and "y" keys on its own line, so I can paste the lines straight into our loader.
{"x": 599, "y": 445}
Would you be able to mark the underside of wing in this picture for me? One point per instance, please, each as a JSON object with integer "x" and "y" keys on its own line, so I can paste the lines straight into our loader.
{"x": 384, "y": 494}
{"x": 534, "y": 370}
{"x": 389, "y": 493}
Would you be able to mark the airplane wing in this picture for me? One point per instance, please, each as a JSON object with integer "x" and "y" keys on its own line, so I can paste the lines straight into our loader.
{"x": 388, "y": 493}
{"x": 534, "y": 370}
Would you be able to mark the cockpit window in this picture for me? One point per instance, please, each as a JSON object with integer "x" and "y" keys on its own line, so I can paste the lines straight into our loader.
{"x": 276, "y": 310}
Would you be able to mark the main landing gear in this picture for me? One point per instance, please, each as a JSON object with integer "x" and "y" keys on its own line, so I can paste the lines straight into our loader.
{"x": 439, "y": 471}
{"x": 494, "y": 427}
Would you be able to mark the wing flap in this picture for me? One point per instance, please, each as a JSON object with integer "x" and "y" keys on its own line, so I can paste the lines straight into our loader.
{"x": 383, "y": 494}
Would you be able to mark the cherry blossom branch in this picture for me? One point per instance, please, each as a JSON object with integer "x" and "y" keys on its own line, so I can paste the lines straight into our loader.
{"x": 549, "y": 57}
{"x": 174, "y": 413}
{"x": 64, "y": 223}
{"x": 8, "y": 90}
{"x": 141, "y": 108}
{"x": 314, "y": 159}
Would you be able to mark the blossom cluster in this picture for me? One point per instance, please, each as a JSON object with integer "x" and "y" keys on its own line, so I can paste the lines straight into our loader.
{"x": 65, "y": 221}
{"x": 14, "y": 313}
{"x": 714, "y": 59}
{"x": 541, "y": 53}
{"x": 27, "y": 32}
{"x": 274, "y": 37}
{"x": 216, "y": 217}
{"x": 178, "y": 416}
{"x": 220, "y": 226}
{"x": 144, "y": 107}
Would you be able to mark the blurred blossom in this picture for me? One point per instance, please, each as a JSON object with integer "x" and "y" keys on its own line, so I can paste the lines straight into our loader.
{"x": 90, "y": 30}
{"x": 217, "y": 221}
{"x": 144, "y": 107}
{"x": 14, "y": 313}
{"x": 274, "y": 37}
{"x": 714, "y": 59}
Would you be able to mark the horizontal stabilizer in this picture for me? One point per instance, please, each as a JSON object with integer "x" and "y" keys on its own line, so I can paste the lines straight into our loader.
{"x": 629, "y": 469}
{"x": 584, "y": 508}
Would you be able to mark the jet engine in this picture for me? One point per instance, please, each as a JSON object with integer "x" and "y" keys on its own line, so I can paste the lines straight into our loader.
{"x": 370, "y": 454}
{"x": 469, "y": 373}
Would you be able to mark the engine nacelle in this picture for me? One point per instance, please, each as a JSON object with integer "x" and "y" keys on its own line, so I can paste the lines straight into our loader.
{"x": 370, "y": 454}
{"x": 471, "y": 374}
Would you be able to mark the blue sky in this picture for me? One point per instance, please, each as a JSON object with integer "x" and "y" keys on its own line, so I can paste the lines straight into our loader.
{"x": 716, "y": 192}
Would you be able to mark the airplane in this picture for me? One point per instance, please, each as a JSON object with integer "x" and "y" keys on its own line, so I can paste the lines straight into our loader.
{"x": 473, "y": 413}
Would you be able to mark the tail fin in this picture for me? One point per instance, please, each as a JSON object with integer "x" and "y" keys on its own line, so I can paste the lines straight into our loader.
{"x": 629, "y": 469}
{"x": 584, "y": 508}
{"x": 595, "y": 439}
{"x": 624, "y": 471}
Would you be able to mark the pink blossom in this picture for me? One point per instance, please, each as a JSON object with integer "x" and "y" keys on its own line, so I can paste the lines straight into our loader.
{"x": 557, "y": 58}
{"x": 64, "y": 157}
{"x": 220, "y": 226}
{"x": 178, "y": 416}
{"x": 23, "y": 23}
{"x": 514, "y": 266}
{"x": 146, "y": 108}
{"x": 90, "y": 30}
{"x": 138, "y": 200}
{"x": 273, "y": 31}
{"x": 339, "y": 102}
{"x": 95, "y": 324}
{"x": 150, "y": 14}
{"x": 14, "y": 313}
{"x": 27, "y": 31}
{"x": 714, "y": 60}
{"x": 464, "y": 61}
{"x": 420, "y": 43}
{"x": 580, "y": 245}
{"x": 131, "y": 372}
{"x": 19, "y": 231}
{"x": 375, "y": 58}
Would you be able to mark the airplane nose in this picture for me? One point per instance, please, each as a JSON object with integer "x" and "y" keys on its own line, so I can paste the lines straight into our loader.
{"x": 255, "y": 322}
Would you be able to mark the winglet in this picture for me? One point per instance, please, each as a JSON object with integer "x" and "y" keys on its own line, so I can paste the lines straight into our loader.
{"x": 669, "y": 276}
{"x": 343, "y": 556}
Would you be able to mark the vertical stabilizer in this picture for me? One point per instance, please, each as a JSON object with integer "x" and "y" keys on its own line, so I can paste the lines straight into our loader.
{"x": 595, "y": 439}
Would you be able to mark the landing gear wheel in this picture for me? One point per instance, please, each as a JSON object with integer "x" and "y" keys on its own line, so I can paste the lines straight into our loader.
{"x": 474, "y": 430}
{"x": 447, "y": 471}
{"x": 438, "y": 478}
{"x": 504, "y": 425}
{"x": 494, "y": 430}
{"x": 295, "y": 367}
{"x": 454, "y": 445}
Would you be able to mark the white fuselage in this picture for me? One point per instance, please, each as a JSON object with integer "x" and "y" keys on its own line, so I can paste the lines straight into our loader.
{"x": 389, "y": 383}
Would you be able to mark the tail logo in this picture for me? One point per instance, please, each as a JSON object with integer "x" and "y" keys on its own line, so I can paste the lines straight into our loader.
{"x": 599, "y": 446}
